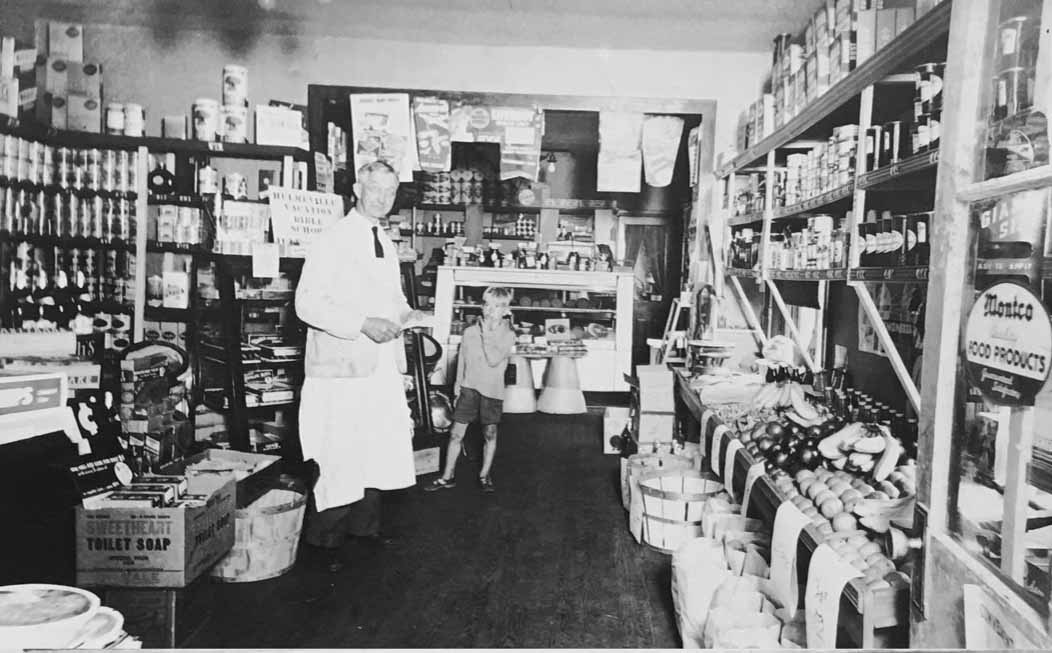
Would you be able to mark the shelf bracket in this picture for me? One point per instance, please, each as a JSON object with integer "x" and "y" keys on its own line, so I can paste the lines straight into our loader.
{"x": 865, "y": 300}
{"x": 750, "y": 314}
{"x": 795, "y": 332}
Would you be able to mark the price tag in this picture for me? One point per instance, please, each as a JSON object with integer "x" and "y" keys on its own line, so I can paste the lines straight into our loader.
{"x": 265, "y": 260}
{"x": 888, "y": 273}
{"x": 895, "y": 170}
{"x": 215, "y": 146}
{"x": 826, "y": 578}
{"x": 717, "y": 436}
{"x": 789, "y": 522}
{"x": 728, "y": 465}
{"x": 753, "y": 475}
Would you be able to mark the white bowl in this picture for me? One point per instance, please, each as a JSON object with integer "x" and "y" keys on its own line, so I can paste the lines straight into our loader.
{"x": 38, "y": 615}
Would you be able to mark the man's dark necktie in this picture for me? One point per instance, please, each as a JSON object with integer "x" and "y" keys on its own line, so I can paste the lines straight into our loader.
{"x": 379, "y": 248}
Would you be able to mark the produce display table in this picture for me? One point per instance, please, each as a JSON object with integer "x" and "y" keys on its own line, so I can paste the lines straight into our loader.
{"x": 871, "y": 618}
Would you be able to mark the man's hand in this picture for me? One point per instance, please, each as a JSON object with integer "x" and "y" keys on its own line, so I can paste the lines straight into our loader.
{"x": 412, "y": 317}
{"x": 380, "y": 330}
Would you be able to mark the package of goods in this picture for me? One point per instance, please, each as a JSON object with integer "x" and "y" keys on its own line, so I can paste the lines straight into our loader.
{"x": 250, "y": 470}
{"x": 83, "y": 113}
{"x": 235, "y": 85}
{"x": 698, "y": 569}
{"x": 61, "y": 40}
{"x": 885, "y": 27}
{"x": 278, "y": 126}
{"x": 233, "y": 123}
{"x": 655, "y": 426}
{"x": 84, "y": 79}
{"x": 16, "y": 58}
{"x": 865, "y": 35}
{"x": 156, "y": 546}
{"x": 21, "y": 393}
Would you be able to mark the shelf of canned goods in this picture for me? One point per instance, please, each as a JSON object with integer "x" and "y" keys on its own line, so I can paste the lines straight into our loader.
{"x": 807, "y": 198}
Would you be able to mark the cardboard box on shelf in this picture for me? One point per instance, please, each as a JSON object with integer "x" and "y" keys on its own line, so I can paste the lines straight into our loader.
{"x": 904, "y": 17}
{"x": 156, "y": 547}
{"x": 15, "y": 58}
{"x": 865, "y": 35}
{"x": 252, "y": 471}
{"x": 84, "y": 113}
{"x": 22, "y": 393}
{"x": 65, "y": 40}
{"x": 885, "y": 31}
{"x": 656, "y": 388}
{"x": 85, "y": 79}
{"x": 52, "y": 75}
{"x": 9, "y": 103}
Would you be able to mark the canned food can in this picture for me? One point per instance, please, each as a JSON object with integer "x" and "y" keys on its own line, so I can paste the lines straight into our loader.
{"x": 1013, "y": 92}
{"x": 206, "y": 119}
{"x": 10, "y": 157}
{"x": 93, "y": 168}
{"x": 934, "y": 129}
{"x": 134, "y": 120}
{"x": 893, "y": 149}
{"x": 63, "y": 166}
{"x": 173, "y": 127}
{"x": 47, "y": 166}
{"x": 235, "y": 85}
{"x": 207, "y": 180}
{"x": 1017, "y": 42}
{"x": 234, "y": 123}
{"x": 84, "y": 213}
{"x": 132, "y": 173}
{"x": 921, "y": 136}
{"x": 920, "y": 252}
{"x": 236, "y": 186}
{"x": 60, "y": 208}
{"x": 22, "y": 173}
{"x": 124, "y": 218}
{"x": 48, "y": 217}
{"x": 122, "y": 170}
{"x": 79, "y": 177}
{"x": 115, "y": 122}
{"x": 34, "y": 160}
{"x": 108, "y": 170}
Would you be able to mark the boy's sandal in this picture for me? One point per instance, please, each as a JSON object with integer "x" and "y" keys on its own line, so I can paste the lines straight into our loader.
{"x": 440, "y": 484}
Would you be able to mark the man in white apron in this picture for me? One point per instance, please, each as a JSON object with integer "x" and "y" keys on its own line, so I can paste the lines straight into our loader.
{"x": 354, "y": 418}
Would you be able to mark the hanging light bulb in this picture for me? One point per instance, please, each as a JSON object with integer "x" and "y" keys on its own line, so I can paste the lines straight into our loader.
{"x": 550, "y": 160}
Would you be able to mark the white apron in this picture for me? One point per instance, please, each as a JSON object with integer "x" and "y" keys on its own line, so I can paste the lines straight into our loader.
{"x": 359, "y": 430}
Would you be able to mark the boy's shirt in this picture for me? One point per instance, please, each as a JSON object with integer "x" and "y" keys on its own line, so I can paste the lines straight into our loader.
{"x": 484, "y": 358}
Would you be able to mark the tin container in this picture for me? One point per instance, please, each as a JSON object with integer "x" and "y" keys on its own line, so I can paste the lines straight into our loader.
{"x": 896, "y": 145}
{"x": 123, "y": 171}
{"x": 934, "y": 129}
{"x": 206, "y": 119}
{"x": 93, "y": 169}
{"x": 10, "y": 157}
{"x": 60, "y": 208}
{"x": 131, "y": 173}
{"x": 236, "y": 186}
{"x": 77, "y": 171}
{"x": 85, "y": 215}
{"x": 874, "y": 147}
{"x": 108, "y": 170}
{"x": 63, "y": 166}
{"x": 207, "y": 180}
{"x": 173, "y": 127}
{"x": 921, "y": 137}
{"x": 34, "y": 161}
{"x": 125, "y": 219}
{"x": 1013, "y": 91}
{"x": 115, "y": 119}
{"x": 235, "y": 85}
{"x": 1017, "y": 43}
{"x": 134, "y": 120}
{"x": 22, "y": 174}
{"x": 234, "y": 123}
{"x": 47, "y": 167}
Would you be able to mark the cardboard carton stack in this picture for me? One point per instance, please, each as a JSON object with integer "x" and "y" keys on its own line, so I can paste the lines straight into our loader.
{"x": 69, "y": 89}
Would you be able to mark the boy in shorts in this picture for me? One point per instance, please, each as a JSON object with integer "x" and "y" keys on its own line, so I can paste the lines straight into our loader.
{"x": 484, "y": 351}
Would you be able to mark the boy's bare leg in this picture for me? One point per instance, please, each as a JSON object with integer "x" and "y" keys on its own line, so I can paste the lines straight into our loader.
{"x": 489, "y": 432}
{"x": 456, "y": 442}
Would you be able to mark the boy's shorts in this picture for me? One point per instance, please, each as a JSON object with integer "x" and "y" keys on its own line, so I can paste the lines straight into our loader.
{"x": 471, "y": 405}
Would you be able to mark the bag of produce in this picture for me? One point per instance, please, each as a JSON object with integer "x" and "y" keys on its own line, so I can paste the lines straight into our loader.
{"x": 697, "y": 570}
{"x": 728, "y": 628}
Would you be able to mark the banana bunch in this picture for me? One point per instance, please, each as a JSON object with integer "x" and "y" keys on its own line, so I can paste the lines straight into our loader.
{"x": 862, "y": 448}
{"x": 790, "y": 394}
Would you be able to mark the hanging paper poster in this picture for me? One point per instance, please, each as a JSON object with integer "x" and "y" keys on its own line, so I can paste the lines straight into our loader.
{"x": 297, "y": 215}
{"x": 693, "y": 143}
{"x": 431, "y": 117}
{"x": 459, "y": 121}
{"x": 789, "y": 521}
{"x": 381, "y": 130}
{"x": 826, "y": 578}
{"x": 661, "y": 136}
{"x": 898, "y": 305}
{"x": 620, "y": 158}
{"x": 521, "y": 131}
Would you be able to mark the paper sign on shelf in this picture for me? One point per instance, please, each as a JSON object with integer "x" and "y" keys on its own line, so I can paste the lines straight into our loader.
{"x": 265, "y": 260}
{"x": 717, "y": 436}
{"x": 826, "y": 578}
{"x": 728, "y": 465}
{"x": 755, "y": 472}
{"x": 297, "y": 215}
{"x": 788, "y": 524}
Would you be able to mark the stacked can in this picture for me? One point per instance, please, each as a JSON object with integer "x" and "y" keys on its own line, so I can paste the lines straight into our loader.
{"x": 846, "y": 139}
{"x": 1017, "y": 48}
{"x": 927, "y": 106}
{"x": 233, "y": 116}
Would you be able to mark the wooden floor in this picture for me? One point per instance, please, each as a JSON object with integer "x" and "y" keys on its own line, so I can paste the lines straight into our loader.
{"x": 546, "y": 562}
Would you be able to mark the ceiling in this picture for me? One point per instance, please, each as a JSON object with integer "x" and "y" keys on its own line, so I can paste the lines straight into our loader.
{"x": 731, "y": 25}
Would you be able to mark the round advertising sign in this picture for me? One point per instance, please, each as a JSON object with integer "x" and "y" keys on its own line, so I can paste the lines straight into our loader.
{"x": 1008, "y": 344}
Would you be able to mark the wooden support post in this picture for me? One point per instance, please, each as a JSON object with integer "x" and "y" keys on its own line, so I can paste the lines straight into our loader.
{"x": 791, "y": 325}
{"x": 141, "y": 211}
{"x": 750, "y": 315}
{"x": 1017, "y": 493}
{"x": 865, "y": 300}
{"x": 768, "y": 217}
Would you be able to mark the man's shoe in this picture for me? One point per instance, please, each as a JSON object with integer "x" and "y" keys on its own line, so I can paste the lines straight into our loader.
{"x": 440, "y": 484}
{"x": 486, "y": 483}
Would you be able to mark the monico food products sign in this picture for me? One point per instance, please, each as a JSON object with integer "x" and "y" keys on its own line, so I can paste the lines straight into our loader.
{"x": 1008, "y": 344}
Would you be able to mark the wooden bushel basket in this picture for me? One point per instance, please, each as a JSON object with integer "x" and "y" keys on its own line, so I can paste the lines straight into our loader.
{"x": 266, "y": 538}
{"x": 636, "y": 465}
{"x": 672, "y": 505}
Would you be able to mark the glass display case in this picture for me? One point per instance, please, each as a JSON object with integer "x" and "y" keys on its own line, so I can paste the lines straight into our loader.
{"x": 595, "y": 308}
